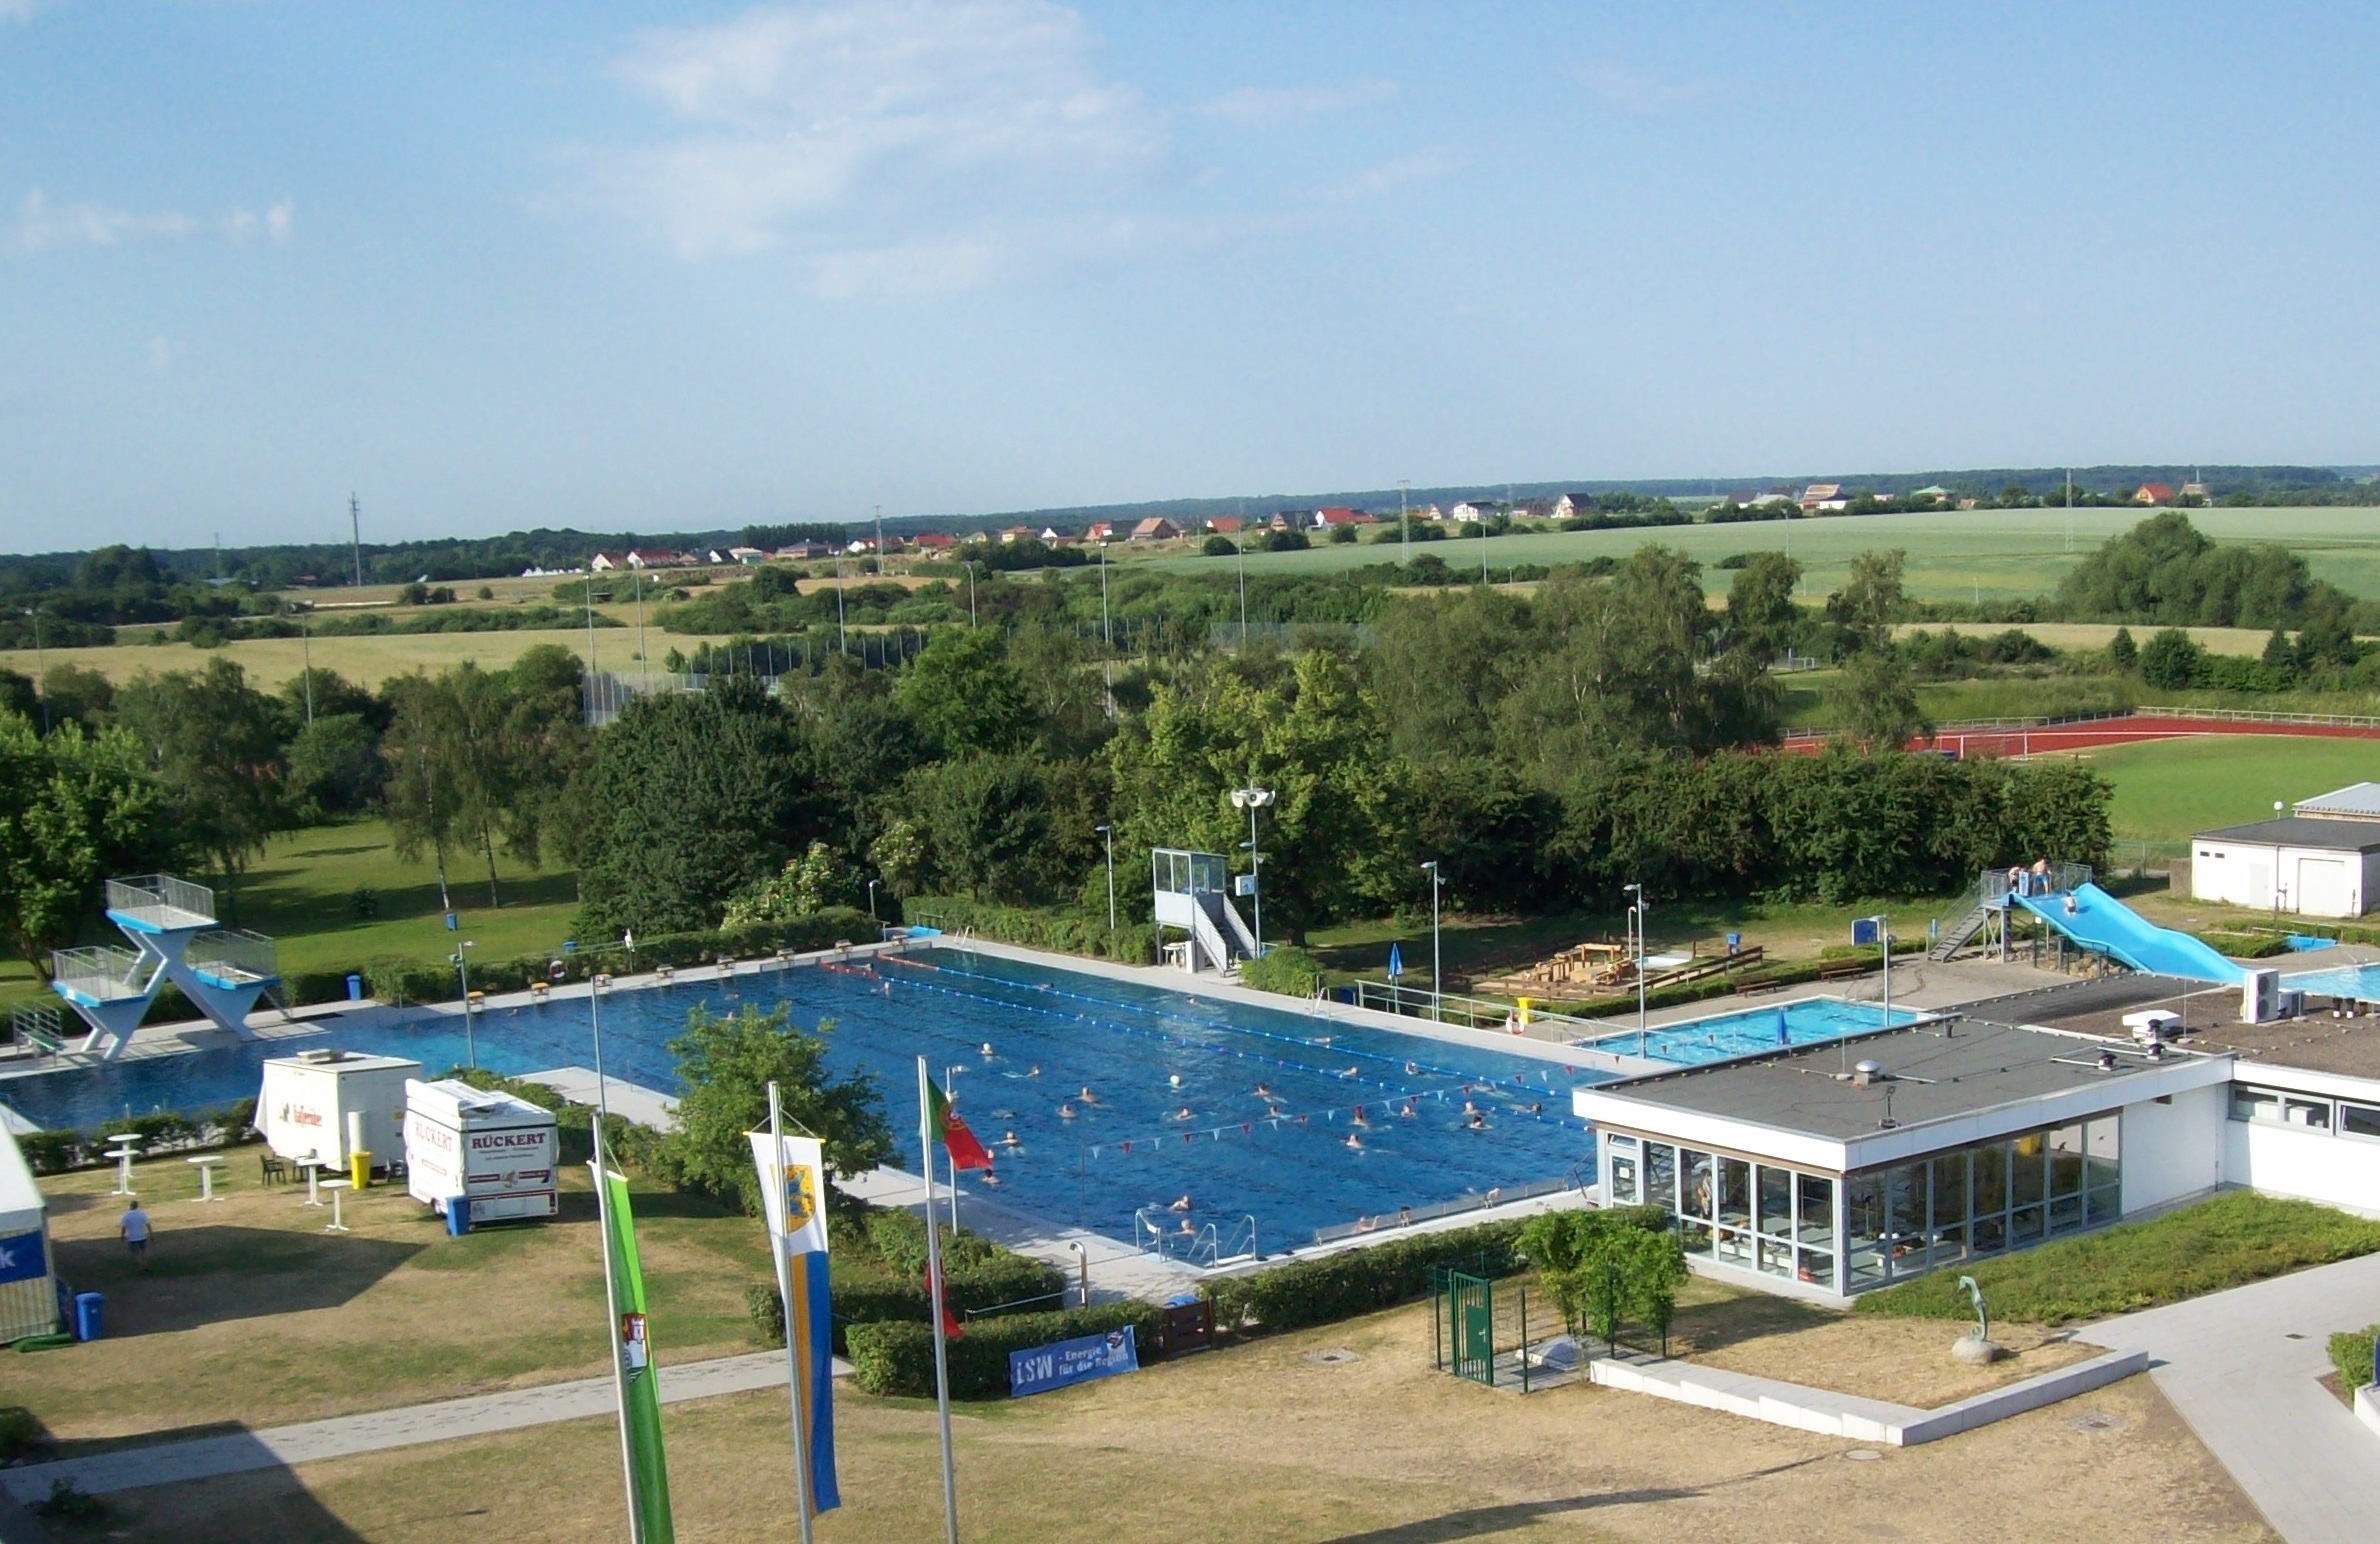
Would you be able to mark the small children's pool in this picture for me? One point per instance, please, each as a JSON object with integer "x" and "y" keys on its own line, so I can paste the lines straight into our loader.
{"x": 2359, "y": 983}
{"x": 1749, "y": 1031}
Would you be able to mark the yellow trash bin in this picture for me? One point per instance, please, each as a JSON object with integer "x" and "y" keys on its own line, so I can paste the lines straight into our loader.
{"x": 359, "y": 1168}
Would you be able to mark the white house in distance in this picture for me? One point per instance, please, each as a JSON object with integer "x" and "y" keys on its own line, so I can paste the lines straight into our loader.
{"x": 2323, "y": 860}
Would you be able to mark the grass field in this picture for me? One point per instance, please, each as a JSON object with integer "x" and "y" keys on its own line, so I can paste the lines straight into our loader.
{"x": 367, "y": 660}
{"x": 2224, "y": 1241}
{"x": 1959, "y": 555}
{"x": 2168, "y": 789}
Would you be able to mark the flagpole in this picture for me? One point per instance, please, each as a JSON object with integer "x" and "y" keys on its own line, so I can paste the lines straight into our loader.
{"x": 793, "y": 1370}
{"x": 611, "y": 1303}
{"x": 925, "y": 1135}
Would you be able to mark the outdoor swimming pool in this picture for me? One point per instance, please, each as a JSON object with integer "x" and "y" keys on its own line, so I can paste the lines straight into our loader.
{"x": 1749, "y": 1031}
{"x": 1175, "y": 1107}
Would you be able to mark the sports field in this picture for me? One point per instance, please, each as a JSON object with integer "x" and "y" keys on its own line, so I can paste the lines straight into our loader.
{"x": 2168, "y": 789}
{"x": 1956, "y": 555}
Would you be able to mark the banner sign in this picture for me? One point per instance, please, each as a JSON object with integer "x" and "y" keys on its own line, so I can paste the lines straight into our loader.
{"x": 650, "y": 1521}
{"x": 21, "y": 1258}
{"x": 793, "y": 1195}
{"x": 1072, "y": 1361}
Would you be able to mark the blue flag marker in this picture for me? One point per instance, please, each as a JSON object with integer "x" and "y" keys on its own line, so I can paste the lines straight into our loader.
{"x": 1396, "y": 963}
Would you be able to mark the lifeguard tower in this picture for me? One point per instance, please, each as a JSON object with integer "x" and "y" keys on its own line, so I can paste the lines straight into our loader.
{"x": 1191, "y": 895}
{"x": 171, "y": 924}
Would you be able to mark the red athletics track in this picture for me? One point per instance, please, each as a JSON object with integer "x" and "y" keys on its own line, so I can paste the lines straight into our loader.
{"x": 2093, "y": 733}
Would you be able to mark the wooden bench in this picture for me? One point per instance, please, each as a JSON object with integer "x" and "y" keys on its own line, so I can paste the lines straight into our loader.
{"x": 1844, "y": 970}
{"x": 1758, "y": 986}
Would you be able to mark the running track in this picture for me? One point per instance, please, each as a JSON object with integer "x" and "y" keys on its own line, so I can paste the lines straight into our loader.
{"x": 2093, "y": 733}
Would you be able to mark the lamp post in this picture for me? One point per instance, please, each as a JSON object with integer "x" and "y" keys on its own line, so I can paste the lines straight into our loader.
{"x": 872, "y": 884}
{"x": 1883, "y": 925}
{"x": 463, "y": 972}
{"x": 1107, "y": 640}
{"x": 1437, "y": 882}
{"x": 1110, "y": 833}
{"x": 970, "y": 592}
{"x": 1252, "y": 800}
{"x": 1636, "y": 912}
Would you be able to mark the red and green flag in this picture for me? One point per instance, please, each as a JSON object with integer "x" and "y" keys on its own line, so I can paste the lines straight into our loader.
{"x": 965, "y": 1151}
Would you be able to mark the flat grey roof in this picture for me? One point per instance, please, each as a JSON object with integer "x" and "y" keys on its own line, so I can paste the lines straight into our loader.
{"x": 2301, "y": 831}
{"x": 1932, "y": 1072}
{"x": 2359, "y": 801}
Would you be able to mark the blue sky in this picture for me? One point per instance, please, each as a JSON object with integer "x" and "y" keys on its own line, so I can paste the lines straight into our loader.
{"x": 669, "y": 267}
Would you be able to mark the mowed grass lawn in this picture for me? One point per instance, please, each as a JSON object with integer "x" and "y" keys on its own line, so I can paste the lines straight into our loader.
{"x": 367, "y": 660}
{"x": 2166, "y": 790}
{"x": 2224, "y": 1241}
{"x": 251, "y": 1314}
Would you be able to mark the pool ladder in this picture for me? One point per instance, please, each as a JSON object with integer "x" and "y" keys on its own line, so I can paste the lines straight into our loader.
{"x": 1158, "y": 1233}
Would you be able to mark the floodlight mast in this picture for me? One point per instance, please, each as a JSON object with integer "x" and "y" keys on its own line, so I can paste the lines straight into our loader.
{"x": 1252, "y": 800}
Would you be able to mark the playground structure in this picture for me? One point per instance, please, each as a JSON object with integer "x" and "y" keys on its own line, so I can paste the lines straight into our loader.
{"x": 172, "y": 926}
{"x": 1605, "y": 968}
{"x": 2064, "y": 899}
{"x": 1190, "y": 894}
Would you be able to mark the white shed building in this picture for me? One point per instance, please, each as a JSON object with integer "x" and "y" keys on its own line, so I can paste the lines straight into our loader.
{"x": 2307, "y": 865}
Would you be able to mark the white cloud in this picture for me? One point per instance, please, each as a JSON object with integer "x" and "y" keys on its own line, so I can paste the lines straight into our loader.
{"x": 243, "y": 225}
{"x": 1641, "y": 91}
{"x": 907, "y": 139}
{"x": 1256, "y": 107}
{"x": 44, "y": 227}
{"x": 1388, "y": 175}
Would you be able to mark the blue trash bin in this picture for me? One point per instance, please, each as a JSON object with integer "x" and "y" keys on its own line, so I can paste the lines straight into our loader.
{"x": 87, "y": 1306}
{"x": 458, "y": 1216}
{"x": 355, "y": 989}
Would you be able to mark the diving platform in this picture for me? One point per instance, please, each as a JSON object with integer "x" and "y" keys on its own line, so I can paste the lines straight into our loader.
{"x": 172, "y": 926}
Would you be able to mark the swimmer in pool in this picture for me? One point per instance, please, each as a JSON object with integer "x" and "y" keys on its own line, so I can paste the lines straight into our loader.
{"x": 1182, "y": 1114}
{"x": 1008, "y": 1139}
{"x": 1273, "y": 1110}
{"x": 1537, "y": 1108}
{"x": 1263, "y": 1092}
{"x": 1086, "y": 1096}
{"x": 1066, "y": 1112}
{"x": 1469, "y": 1108}
{"x": 1175, "y": 1081}
{"x": 1354, "y": 1141}
{"x": 1036, "y": 1072}
{"x": 1475, "y": 1122}
{"x": 1186, "y": 1230}
{"x": 1351, "y": 1072}
{"x": 1359, "y": 1116}
{"x": 1182, "y": 1205}
{"x": 985, "y": 1050}
{"x": 1412, "y": 1069}
{"x": 1407, "y": 1111}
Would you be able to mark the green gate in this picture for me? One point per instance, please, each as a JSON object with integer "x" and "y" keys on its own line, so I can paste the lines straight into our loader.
{"x": 1473, "y": 1333}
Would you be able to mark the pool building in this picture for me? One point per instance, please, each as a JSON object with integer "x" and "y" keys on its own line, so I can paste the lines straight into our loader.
{"x": 1827, "y": 1171}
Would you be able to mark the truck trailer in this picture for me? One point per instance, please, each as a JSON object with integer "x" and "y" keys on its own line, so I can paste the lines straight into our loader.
{"x": 324, "y": 1106}
{"x": 499, "y": 1152}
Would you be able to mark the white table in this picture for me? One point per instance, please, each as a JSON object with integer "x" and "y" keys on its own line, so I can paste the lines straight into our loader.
{"x": 125, "y": 1146}
{"x": 206, "y": 1164}
{"x": 337, "y": 1188}
{"x": 314, "y": 1180}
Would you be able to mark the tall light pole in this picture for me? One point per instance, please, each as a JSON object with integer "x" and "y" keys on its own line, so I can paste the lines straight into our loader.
{"x": 880, "y": 540}
{"x": 306, "y": 633}
{"x": 1110, "y": 833}
{"x": 970, "y": 592}
{"x": 644, "y": 660}
{"x": 1252, "y": 800}
{"x": 1636, "y": 911}
{"x": 355, "y": 535}
{"x": 842, "y": 643}
{"x": 463, "y": 970}
{"x": 1437, "y": 882}
{"x": 1107, "y": 637}
{"x": 1242, "y": 545}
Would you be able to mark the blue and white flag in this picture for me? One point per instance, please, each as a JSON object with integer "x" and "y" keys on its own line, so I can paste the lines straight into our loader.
{"x": 793, "y": 1189}
{"x": 22, "y": 1258}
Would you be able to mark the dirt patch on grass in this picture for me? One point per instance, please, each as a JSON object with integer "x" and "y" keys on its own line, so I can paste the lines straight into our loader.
{"x": 1905, "y": 1361}
{"x": 1261, "y": 1442}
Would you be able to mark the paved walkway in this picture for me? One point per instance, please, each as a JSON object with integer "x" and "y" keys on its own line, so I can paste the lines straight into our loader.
{"x": 2241, "y": 1365}
{"x": 200, "y": 1458}
{"x": 631, "y": 1101}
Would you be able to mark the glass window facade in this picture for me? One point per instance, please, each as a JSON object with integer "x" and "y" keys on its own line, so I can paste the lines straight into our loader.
{"x": 1852, "y": 1233}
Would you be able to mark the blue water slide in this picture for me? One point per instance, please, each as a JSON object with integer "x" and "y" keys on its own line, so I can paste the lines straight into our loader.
{"x": 2104, "y": 925}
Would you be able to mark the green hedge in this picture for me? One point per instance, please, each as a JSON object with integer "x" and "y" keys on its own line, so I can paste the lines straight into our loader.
{"x": 400, "y": 980}
{"x": 861, "y": 1300}
{"x": 2351, "y": 1354}
{"x": 1285, "y": 969}
{"x": 898, "y": 1358}
{"x": 56, "y": 1152}
{"x": 1061, "y": 932}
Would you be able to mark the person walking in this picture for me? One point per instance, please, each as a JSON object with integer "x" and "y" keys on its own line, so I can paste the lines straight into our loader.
{"x": 134, "y": 1225}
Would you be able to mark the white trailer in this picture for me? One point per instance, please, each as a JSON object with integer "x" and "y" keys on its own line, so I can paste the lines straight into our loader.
{"x": 325, "y": 1105}
{"x": 498, "y": 1150}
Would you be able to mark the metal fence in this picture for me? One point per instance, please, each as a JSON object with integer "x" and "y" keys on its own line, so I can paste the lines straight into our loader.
{"x": 101, "y": 973}
{"x": 233, "y": 957}
{"x": 157, "y": 898}
{"x": 1480, "y": 1013}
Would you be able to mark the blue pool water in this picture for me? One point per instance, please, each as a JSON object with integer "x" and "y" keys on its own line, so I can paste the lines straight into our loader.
{"x": 1749, "y": 1031}
{"x": 1282, "y": 1159}
{"x": 2360, "y": 982}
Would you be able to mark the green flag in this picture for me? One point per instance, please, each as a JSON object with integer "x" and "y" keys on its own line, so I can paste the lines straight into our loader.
{"x": 640, "y": 1393}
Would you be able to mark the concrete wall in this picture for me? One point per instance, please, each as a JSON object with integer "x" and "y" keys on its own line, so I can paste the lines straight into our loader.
{"x": 2291, "y": 1161}
{"x": 2173, "y": 1150}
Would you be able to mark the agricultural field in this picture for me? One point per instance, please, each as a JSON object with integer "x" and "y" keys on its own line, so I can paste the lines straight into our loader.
{"x": 366, "y": 660}
{"x": 1987, "y": 554}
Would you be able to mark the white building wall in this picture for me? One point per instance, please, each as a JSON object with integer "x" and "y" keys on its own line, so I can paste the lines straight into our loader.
{"x": 2234, "y": 872}
{"x": 2313, "y": 1165}
{"x": 2310, "y": 882}
{"x": 2174, "y": 1150}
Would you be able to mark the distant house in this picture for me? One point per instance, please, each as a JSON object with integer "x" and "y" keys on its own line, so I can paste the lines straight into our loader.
{"x": 1100, "y": 530}
{"x": 1338, "y": 515}
{"x": 1475, "y": 509}
{"x": 1226, "y": 525}
{"x": 1280, "y": 520}
{"x": 1764, "y": 498}
{"x": 1429, "y": 512}
{"x": 933, "y": 541}
{"x": 606, "y": 562}
{"x": 1536, "y": 509}
{"x": 1819, "y": 496}
{"x": 657, "y": 557}
{"x": 1156, "y": 528}
{"x": 2194, "y": 493}
{"x": 2153, "y": 493}
{"x": 1050, "y": 533}
{"x": 1013, "y": 533}
{"x": 802, "y": 552}
{"x": 1571, "y": 505}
